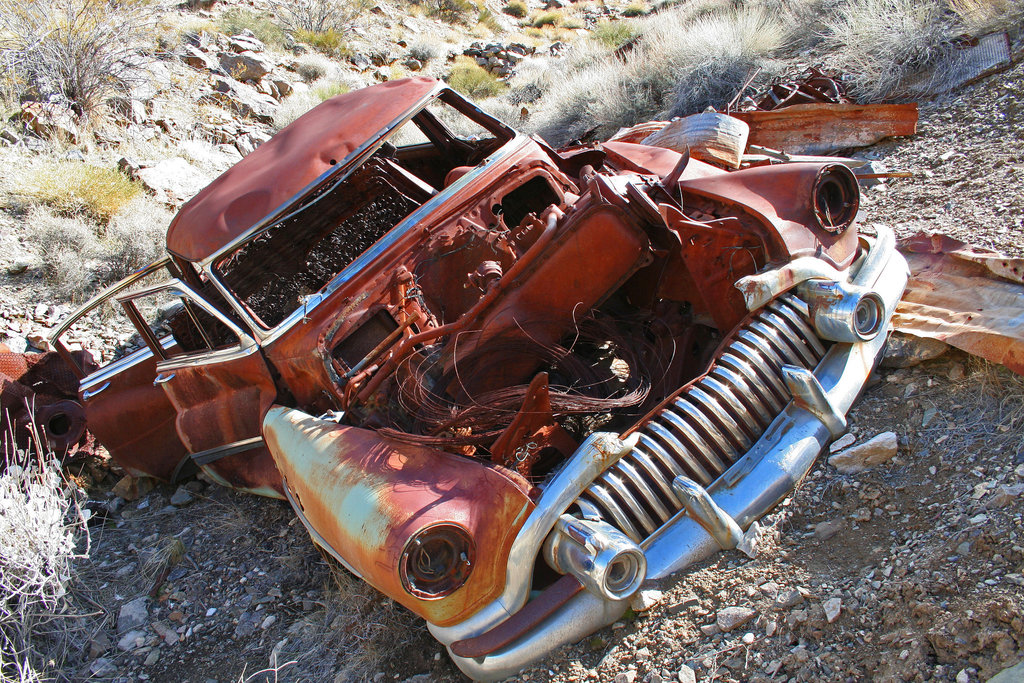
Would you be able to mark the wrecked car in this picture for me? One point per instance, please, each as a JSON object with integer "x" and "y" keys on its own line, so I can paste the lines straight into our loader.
{"x": 505, "y": 385}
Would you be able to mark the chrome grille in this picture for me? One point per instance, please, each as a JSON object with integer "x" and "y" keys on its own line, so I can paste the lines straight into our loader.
{"x": 710, "y": 425}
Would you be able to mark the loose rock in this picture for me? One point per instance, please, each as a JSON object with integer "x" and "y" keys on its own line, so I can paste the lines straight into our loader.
{"x": 730, "y": 618}
{"x": 874, "y": 451}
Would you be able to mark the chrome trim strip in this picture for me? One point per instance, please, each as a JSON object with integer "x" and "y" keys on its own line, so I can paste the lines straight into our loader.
{"x": 799, "y": 325}
{"x": 652, "y": 473}
{"x": 630, "y": 474}
{"x": 107, "y": 293}
{"x": 755, "y": 405}
{"x": 735, "y": 360}
{"x": 685, "y": 417}
{"x": 718, "y": 417}
{"x": 713, "y": 387}
{"x": 683, "y": 455}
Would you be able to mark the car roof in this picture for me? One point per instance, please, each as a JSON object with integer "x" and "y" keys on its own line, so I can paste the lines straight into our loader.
{"x": 281, "y": 168}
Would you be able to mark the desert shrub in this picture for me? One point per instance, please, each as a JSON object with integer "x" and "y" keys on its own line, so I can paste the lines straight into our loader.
{"x": 319, "y": 16}
{"x": 473, "y": 80}
{"x": 451, "y": 11}
{"x": 329, "y": 90}
{"x": 883, "y": 44}
{"x": 40, "y": 530}
{"x": 236, "y": 20}
{"x": 683, "y": 62}
{"x": 983, "y": 16}
{"x": 84, "y": 50}
{"x": 330, "y": 42}
{"x": 72, "y": 187}
{"x": 615, "y": 34}
{"x": 68, "y": 247}
{"x": 424, "y": 50}
{"x": 573, "y": 23}
{"x": 547, "y": 19}
{"x": 634, "y": 10}
{"x": 135, "y": 237}
{"x": 487, "y": 19}
{"x": 515, "y": 8}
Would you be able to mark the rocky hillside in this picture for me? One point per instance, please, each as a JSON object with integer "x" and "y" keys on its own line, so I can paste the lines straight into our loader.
{"x": 908, "y": 570}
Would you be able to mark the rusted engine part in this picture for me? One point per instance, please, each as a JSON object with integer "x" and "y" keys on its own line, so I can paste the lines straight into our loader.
{"x": 431, "y": 529}
{"x": 38, "y": 393}
{"x": 968, "y": 297}
{"x": 701, "y": 432}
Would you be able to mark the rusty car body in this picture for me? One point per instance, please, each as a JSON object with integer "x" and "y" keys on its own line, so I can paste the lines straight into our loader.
{"x": 505, "y": 385}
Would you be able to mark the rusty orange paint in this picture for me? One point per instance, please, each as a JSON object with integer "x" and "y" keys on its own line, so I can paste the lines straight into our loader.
{"x": 368, "y": 496}
{"x": 825, "y": 128}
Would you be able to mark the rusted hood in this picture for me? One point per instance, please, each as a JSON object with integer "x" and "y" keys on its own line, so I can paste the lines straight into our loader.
{"x": 287, "y": 163}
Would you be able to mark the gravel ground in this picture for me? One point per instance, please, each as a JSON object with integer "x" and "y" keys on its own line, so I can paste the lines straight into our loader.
{"x": 910, "y": 570}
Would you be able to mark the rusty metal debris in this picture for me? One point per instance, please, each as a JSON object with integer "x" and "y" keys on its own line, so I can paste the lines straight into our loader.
{"x": 481, "y": 369}
{"x": 38, "y": 402}
{"x": 968, "y": 297}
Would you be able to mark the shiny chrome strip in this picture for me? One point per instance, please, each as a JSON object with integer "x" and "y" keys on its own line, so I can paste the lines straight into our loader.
{"x": 682, "y": 453}
{"x": 802, "y": 328}
{"x": 620, "y": 489}
{"x": 702, "y": 435}
{"x": 718, "y": 416}
{"x": 631, "y": 475}
{"x": 732, "y": 360}
{"x": 713, "y": 386}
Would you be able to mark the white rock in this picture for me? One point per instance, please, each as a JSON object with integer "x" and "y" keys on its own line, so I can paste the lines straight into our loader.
{"x": 645, "y": 600}
{"x": 729, "y": 618}
{"x": 832, "y": 608}
{"x": 874, "y": 451}
{"x": 131, "y": 640}
{"x": 842, "y": 442}
{"x": 174, "y": 181}
{"x": 687, "y": 675}
{"x": 133, "y": 614}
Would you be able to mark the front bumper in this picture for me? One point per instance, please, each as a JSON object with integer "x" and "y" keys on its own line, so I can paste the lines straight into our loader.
{"x": 754, "y": 484}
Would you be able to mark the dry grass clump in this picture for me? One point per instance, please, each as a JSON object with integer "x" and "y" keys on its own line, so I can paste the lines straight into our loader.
{"x": 473, "y": 80}
{"x": 72, "y": 187}
{"x": 882, "y": 44}
{"x": 547, "y": 19}
{"x": 615, "y": 34}
{"x": 82, "y": 50}
{"x": 515, "y": 8}
{"x": 320, "y": 16}
{"x": 79, "y": 256}
{"x": 687, "y": 59}
{"x": 330, "y": 42}
{"x": 41, "y": 526}
{"x": 236, "y": 20}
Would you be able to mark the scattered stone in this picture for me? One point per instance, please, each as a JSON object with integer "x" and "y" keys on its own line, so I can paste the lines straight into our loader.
{"x": 729, "y": 618}
{"x": 645, "y": 600}
{"x": 246, "y": 41}
{"x": 169, "y": 635}
{"x": 181, "y": 497}
{"x": 102, "y": 668}
{"x": 1006, "y": 495}
{"x": 904, "y": 350}
{"x": 842, "y": 442}
{"x": 625, "y": 676}
{"x": 826, "y": 530}
{"x": 131, "y": 640}
{"x": 247, "y": 623}
{"x": 268, "y": 622}
{"x": 133, "y": 615}
{"x": 686, "y": 675}
{"x": 684, "y": 603}
{"x": 245, "y": 66}
{"x": 152, "y": 657}
{"x": 173, "y": 181}
{"x": 832, "y": 607}
{"x": 788, "y": 598}
{"x": 51, "y": 120}
{"x": 244, "y": 100}
{"x": 197, "y": 59}
{"x": 1013, "y": 674}
{"x": 98, "y": 644}
{"x": 876, "y": 450}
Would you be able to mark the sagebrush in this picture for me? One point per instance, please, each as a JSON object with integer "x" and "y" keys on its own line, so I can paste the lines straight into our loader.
{"x": 82, "y": 50}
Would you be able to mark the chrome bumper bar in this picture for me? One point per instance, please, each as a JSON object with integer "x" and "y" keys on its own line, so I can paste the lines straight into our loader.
{"x": 754, "y": 484}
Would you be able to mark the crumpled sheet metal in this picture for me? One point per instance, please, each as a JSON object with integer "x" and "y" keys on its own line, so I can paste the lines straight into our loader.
{"x": 823, "y": 128}
{"x": 968, "y": 297}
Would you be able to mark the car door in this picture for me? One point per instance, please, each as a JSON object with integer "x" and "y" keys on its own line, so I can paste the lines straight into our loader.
{"x": 214, "y": 375}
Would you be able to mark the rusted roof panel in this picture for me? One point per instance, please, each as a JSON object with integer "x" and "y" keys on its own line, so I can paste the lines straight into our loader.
{"x": 291, "y": 160}
{"x": 824, "y": 128}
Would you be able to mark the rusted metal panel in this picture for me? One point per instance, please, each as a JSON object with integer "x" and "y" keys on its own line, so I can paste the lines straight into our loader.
{"x": 824, "y": 128}
{"x": 969, "y": 298}
{"x": 368, "y": 496}
{"x": 291, "y": 160}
